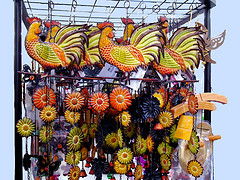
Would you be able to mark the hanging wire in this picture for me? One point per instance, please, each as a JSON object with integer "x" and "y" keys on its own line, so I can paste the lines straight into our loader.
{"x": 113, "y": 10}
{"x": 72, "y": 12}
{"x": 92, "y": 11}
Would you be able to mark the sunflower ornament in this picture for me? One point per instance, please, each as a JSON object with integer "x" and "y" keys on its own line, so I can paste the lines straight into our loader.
{"x": 193, "y": 143}
{"x": 75, "y": 138}
{"x": 71, "y": 116}
{"x": 84, "y": 129}
{"x": 44, "y": 96}
{"x": 165, "y": 161}
{"x": 74, "y": 173}
{"x": 48, "y": 114}
{"x": 125, "y": 155}
{"x": 195, "y": 168}
{"x": 45, "y": 134}
{"x": 164, "y": 147}
{"x": 120, "y": 138}
{"x": 99, "y": 102}
{"x": 73, "y": 158}
{"x": 150, "y": 143}
{"x": 112, "y": 140}
{"x": 125, "y": 118}
{"x": 121, "y": 168}
{"x": 74, "y": 101}
{"x": 138, "y": 172}
{"x": 25, "y": 127}
{"x": 192, "y": 103}
{"x": 92, "y": 130}
{"x": 166, "y": 119}
{"x": 120, "y": 98}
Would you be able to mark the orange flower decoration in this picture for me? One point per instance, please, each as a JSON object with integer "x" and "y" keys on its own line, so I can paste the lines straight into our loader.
{"x": 74, "y": 101}
{"x": 120, "y": 98}
{"x": 43, "y": 97}
{"x": 192, "y": 103}
{"x": 99, "y": 102}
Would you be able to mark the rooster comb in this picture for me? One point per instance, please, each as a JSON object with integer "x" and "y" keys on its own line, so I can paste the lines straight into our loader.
{"x": 127, "y": 21}
{"x": 104, "y": 24}
{"x": 33, "y": 19}
{"x": 52, "y": 23}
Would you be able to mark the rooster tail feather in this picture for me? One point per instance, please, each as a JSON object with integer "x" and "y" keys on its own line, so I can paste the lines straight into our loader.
{"x": 146, "y": 39}
{"x": 93, "y": 48}
{"x": 73, "y": 40}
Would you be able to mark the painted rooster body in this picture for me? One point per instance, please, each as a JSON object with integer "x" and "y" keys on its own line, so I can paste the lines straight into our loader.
{"x": 184, "y": 50}
{"x": 142, "y": 49}
{"x": 67, "y": 49}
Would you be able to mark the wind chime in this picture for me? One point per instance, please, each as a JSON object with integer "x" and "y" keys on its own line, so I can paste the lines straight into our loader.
{"x": 78, "y": 119}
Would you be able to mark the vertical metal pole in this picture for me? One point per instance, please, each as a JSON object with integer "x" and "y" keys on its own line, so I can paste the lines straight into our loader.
{"x": 207, "y": 70}
{"x": 17, "y": 85}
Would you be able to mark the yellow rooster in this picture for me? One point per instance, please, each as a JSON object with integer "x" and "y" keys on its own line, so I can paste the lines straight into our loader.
{"x": 143, "y": 46}
{"x": 66, "y": 50}
{"x": 182, "y": 51}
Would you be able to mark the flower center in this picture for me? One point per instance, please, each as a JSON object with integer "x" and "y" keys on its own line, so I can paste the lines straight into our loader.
{"x": 164, "y": 162}
{"x": 164, "y": 119}
{"x": 75, "y": 139}
{"x": 48, "y": 113}
{"x": 72, "y": 115}
{"x": 194, "y": 169}
{"x": 120, "y": 98}
{"x": 74, "y": 101}
{"x": 192, "y": 141}
{"x": 99, "y": 101}
{"x": 25, "y": 127}
{"x": 113, "y": 140}
{"x": 44, "y": 97}
{"x": 125, "y": 155}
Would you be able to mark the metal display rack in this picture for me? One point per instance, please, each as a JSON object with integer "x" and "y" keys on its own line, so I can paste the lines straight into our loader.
{"x": 91, "y": 12}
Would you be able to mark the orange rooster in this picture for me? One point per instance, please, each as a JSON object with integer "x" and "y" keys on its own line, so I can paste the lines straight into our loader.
{"x": 67, "y": 49}
{"x": 143, "y": 46}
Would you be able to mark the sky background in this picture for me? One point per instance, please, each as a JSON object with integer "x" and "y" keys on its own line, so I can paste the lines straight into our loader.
{"x": 225, "y": 81}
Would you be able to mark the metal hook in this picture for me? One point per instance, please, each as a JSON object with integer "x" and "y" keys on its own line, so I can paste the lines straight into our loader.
{"x": 126, "y": 4}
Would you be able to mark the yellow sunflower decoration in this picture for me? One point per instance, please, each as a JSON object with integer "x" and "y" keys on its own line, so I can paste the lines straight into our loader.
{"x": 125, "y": 155}
{"x": 84, "y": 129}
{"x": 138, "y": 172}
{"x": 92, "y": 130}
{"x": 120, "y": 138}
{"x": 45, "y": 134}
{"x": 125, "y": 118}
{"x": 166, "y": 119}
{"x": 75, "y": 138}
{"x": 71, "y": 116}
{"x": 195, "y": 168}
{"x": 73, "y": 158}
{"x": 143, "y": 146}
{"x": 130, "y": 130}
{"x": 121, "y": 168}
{"x": 25, "y": 127}
{"x": 164, "y": 147}
{"x": 112, "y": 140}
{"x": 165, "y": 162}
{"x": 74, "y": 173}
{"x": 160, "y": 99}
{"x": 150, "y": 143}
{"x": 48, "y": 114}
{"x": 138, "y": 144}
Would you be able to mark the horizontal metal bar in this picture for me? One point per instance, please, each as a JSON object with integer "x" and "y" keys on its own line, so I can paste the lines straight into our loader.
{"x": 104, "y": 78}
